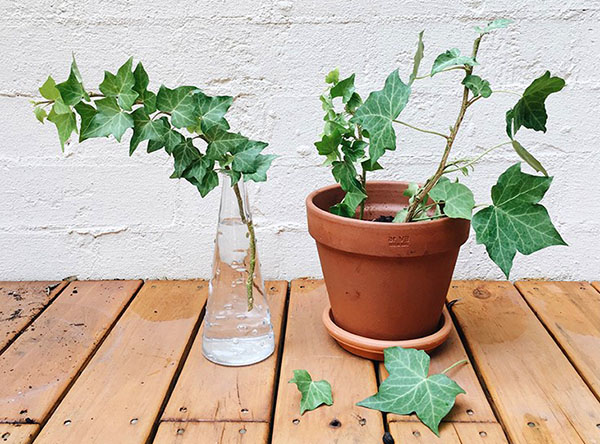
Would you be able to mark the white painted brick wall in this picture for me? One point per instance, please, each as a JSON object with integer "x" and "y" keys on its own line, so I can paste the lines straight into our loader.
{"x": 97, "y": 213}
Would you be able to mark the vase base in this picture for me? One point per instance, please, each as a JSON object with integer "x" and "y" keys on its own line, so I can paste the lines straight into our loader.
{"x": 373, "y": 348}
{"x": 238, "y": 352}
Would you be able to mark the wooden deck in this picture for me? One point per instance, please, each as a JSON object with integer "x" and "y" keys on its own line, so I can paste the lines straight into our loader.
{"x": 121, "y": 362}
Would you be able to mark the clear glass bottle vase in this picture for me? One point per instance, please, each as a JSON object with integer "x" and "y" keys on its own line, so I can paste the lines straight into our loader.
{"x": 237, "y": 324}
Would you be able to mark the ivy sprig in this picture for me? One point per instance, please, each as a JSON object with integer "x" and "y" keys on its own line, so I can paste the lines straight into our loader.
{"x": 356, "y": 137}
{"x": 174, "y": 119}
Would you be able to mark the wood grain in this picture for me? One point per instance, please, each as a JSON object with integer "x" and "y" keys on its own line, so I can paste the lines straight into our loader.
{"x": 37, "y": 368}
{"x": 22, "y": 301}
{"x": 212, "y": 433}
{"x": 538, "y": 394}
{"x": 450, "y": 433}
{"x": 17, "y": 433}
{"x": 571, "y": 312}
{"x": 308, "y": 346}
{"x": 118, "y": 396}
{"x": 209, "y": 392}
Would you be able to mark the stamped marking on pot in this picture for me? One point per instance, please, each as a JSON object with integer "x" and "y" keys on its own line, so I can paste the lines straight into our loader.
{"x": 399, "y": 241}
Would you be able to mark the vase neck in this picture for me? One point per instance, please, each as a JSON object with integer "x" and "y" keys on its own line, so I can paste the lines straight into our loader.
{"x": 234, "y": 200}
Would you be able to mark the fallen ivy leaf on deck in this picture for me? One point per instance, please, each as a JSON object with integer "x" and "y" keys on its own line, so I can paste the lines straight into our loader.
{"x": 408, "y": 389}
{"x": 314, "y": 393}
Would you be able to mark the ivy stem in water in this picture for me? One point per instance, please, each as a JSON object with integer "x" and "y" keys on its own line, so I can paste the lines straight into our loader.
{"x": 252, "y": 265}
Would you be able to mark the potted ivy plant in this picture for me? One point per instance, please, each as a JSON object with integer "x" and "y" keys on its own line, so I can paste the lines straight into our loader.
{"x": 388, "y": 249}
{"x": 237, "y": 327}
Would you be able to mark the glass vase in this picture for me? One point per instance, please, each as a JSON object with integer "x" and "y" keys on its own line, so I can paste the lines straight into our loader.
{"x": 237, "y": 324}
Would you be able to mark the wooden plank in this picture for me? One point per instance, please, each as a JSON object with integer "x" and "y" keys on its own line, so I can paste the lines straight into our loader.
{"x": 236, "y": 393}
{"x": 450, "y": 433}
{"x": 538, "y": 394}
{"x": 119, "y": 394}
{"x": 470, "y": 407}
{"x": 17, "y": 433}
{"x": 37, "y": 368}
{"x": 20, "y": 302}
{"x": 596, "y": 285}
{"x": 308, "y": 346}
{"x": 571, "y": 312}
{"x": 212, "y": 432}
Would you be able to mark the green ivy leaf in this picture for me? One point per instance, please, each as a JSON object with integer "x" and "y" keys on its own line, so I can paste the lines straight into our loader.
{"x": 120, "y": 86}
{"x": 72, "y": 90}
{"x": 145, "y": 128}
{"x": 530, "y": 110}
{"x": 328, "y": 146}
{"x": 450, "y": 59}
{"x": 408, "y": 389}
{"x": 333, "y": 76}
{"x": 347, "y": 207}
{"x": 109, "y": 119}
{"x": 65, "y": 125}
{"x": 222, "y": 142}
{"x": 198, "y": 174}
{"x": 314, "y": 393}
{"x": 247, "y": 158}
{"x": 185, "y": 154}
{"x": 49, "y": 91}
{"x": 353, "y": 104}
{"x": 170, "y": 139}
{"x": 263, "y": 163}
{"x": 515, "y": 221}
{"x": 140, "y": 86}
{"x": 345, "y": 174}
{"x": 400, "y": 216}
{"x": 458, "y": 199}
{"x": 86, "y": 113}
{"x": 344, "y": 89}
{"x": 411, "y": 190}
{"x": 417, "y": 59}
{"x": 355, "y": 150}
{"x": 181, "y": 103}
{"x": 495, "y": 24}
{"x": 40, "y": 113}
{"x": 212, "y": 111}
{"x": 377, "y": 113}
{"x": 528, "y": 157}
{"x": 477, "y": 86}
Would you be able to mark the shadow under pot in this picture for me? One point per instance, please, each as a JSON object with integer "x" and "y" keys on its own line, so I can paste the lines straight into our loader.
{"x": 386, "y": 281}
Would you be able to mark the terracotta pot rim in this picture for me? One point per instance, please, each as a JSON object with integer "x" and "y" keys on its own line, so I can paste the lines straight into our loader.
{"x": 375, "y": 347}
{"x": 358, "y": 222}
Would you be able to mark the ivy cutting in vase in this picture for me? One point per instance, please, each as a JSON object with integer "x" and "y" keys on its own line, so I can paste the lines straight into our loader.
{"x": 357, "y": 134}
{"x": 175, "y": 120}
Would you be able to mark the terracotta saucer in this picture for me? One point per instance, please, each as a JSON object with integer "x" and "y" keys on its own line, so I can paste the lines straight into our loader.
{"x": 373, "y": 348}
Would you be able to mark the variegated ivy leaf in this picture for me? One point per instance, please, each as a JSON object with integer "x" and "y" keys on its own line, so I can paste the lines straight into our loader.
{"x": 530, "y": 110}
{"x": 515, "y": 221}
{"x": 458, "y": 200}
{"x": 120, "y": 86}
{"x": 477, "y": 86}
{"x": 144, "y": 128}
{"x": 181, "y": 103}
{"x": 408, "y": 388}
{"x": 72, "y": 90}
{"x": 109, "y": 120}
{"x": 314, "y": 393}
{"x": 494, "y": 24}
{"x": 65, "y": 125}
{"x": 450, "y": 59}
{"x": 377, "y": 113}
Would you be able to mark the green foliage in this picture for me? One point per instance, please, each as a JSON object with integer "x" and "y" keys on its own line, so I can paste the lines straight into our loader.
{"x": 515, "y": 221}
{"x": 450, "y": 59}
{"x": 314, "y": 393}
{"x": 458, "y": 200}
{"x": 356, "y": 135}
{"x": 408, "y": 388}
{"x": 174, "y": 119}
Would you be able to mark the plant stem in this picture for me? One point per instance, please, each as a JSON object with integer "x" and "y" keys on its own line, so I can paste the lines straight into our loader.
{"x": 443, "y": 70}
{"x": 252, "y": 265}
{"x": 421, "y": 129}
{"x": 363, "y": 180}
{"x": 423, "y": 192}
{"x": 474, "y": 161}
{"x": 462, "y": 361}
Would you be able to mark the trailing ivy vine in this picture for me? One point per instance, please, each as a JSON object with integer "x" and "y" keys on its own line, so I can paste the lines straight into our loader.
{"x": 175, "y": 120}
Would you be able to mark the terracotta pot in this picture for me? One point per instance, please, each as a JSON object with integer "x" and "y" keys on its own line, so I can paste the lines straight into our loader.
{"x": 385, "y": 280}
